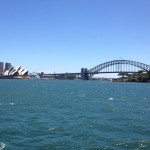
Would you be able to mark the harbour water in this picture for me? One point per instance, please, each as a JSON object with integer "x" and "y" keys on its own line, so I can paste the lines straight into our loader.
{"x": 70, "y": 115}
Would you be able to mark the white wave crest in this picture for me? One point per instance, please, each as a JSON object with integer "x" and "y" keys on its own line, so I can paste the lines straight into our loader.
{"x": 11, "y": 104}
{"x": 51, "y": 129}
{"x": 2, "y": 146}
{"x": 111, "y": 98}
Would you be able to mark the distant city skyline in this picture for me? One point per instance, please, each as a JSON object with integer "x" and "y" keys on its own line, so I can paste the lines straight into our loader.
{"x": 4, "y": 66}
{"x": 64, "y": 36}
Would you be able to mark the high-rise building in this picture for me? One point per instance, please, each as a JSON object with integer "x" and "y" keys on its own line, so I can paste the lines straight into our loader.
{"x": 1, "y": 67}
{"x": 7, "y": 66}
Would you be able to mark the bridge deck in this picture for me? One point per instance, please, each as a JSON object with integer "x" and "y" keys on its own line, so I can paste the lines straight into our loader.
{"x": 77, "y": 73}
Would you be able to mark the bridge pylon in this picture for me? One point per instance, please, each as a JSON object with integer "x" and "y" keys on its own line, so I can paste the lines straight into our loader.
{"x": 84, "y": 74}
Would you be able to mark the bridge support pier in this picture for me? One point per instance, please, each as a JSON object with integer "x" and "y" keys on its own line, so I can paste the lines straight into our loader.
{"x": 84, "y": 74}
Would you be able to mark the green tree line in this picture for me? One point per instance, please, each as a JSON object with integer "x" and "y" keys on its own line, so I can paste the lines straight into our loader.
{"x": 140, "y": 76}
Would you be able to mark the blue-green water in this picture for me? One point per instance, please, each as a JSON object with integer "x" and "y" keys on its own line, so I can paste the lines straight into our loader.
{"x": 69, "y": 115}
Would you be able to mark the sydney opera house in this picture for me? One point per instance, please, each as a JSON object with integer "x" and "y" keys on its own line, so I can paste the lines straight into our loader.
{"x": 11, "y": 72}
{"x": 19, "y": 71}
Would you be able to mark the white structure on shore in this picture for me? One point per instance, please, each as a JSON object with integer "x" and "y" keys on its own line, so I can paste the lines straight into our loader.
{"x": 34, "y": 75}
{"x": 19, "y": 71}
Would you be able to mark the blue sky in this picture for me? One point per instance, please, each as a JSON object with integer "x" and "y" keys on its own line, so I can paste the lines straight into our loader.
{"x": 65, "y": 35}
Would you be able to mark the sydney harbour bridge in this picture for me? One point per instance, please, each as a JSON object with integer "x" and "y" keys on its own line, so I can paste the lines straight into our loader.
{"x": 115, "y": 66}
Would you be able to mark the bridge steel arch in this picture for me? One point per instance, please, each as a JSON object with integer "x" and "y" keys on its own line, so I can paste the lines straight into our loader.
{"x": 97, "y": 69}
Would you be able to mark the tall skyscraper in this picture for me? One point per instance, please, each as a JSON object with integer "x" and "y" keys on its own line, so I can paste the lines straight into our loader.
{"x": 1, "y": 67}
{"x": 7, "y": 66}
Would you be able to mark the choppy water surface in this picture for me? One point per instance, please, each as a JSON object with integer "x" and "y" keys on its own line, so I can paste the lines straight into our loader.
{"x": 68, "y": 115}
